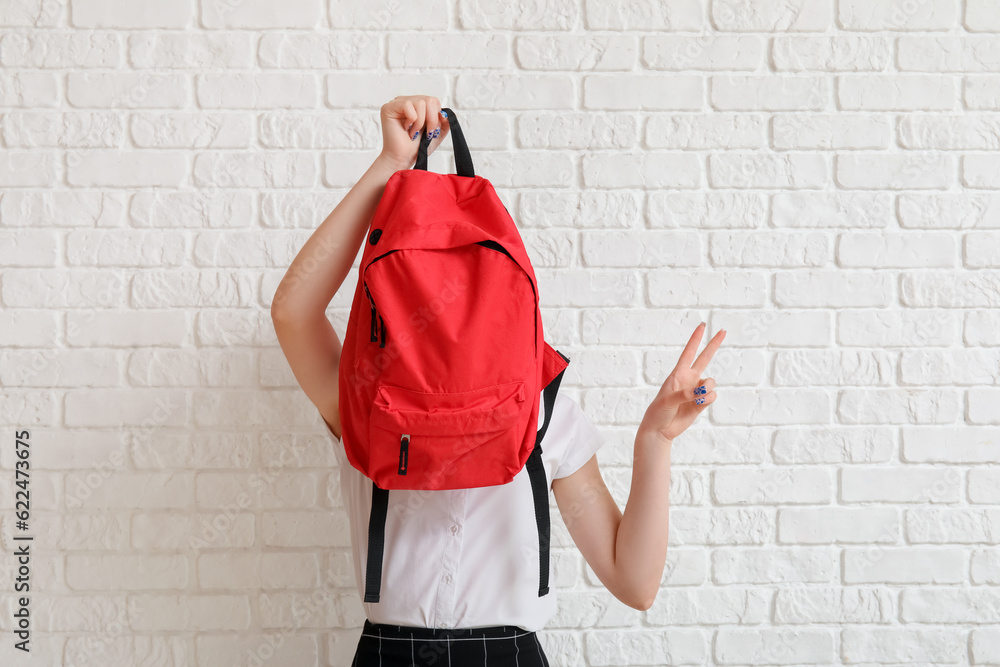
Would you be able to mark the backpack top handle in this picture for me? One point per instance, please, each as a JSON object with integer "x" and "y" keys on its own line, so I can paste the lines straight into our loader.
{"x": 463, "y": 159}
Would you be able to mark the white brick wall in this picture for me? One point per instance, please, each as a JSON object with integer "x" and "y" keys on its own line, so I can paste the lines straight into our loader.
{"x": 819, "y": 177}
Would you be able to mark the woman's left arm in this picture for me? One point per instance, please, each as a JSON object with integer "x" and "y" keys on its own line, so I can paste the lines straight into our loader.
{"x": 628, "y": 551}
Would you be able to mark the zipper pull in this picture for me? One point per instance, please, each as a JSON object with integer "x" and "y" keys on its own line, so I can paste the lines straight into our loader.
{"x": 404, "y": 456}
{"x": 382, "y": 327}
{"x": 373, "y": 334}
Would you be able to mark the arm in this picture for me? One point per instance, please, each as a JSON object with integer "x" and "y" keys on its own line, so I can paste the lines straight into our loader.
{"x": 629, "y": 551}
{"x": 298, "y": 309}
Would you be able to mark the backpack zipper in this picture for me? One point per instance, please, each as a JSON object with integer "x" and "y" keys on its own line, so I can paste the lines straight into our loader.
{"x": 374, "y": 325}
{"x": 493, "y": 245}
{"x": 377, "y": 332}
{"x": 377, "y": 327}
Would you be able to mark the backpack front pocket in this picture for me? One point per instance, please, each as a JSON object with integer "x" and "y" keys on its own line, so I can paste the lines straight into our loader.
{"x": 421, "y": 440}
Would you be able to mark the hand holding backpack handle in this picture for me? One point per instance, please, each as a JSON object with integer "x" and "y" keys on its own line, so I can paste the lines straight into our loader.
{"x": 402, "y": 119}
{"x": 463, "y": 159}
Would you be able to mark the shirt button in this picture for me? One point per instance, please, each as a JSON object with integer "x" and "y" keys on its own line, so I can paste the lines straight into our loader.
{"x": 447, "y": 578}
{"x": 454, "y": 529}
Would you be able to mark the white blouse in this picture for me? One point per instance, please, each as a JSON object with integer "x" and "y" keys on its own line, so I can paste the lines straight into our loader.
{"x": 465, "y": 558}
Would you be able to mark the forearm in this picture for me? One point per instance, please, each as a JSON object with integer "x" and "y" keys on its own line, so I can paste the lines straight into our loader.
{"x": 323, "y": 262}
{"x": 641, "y": 542}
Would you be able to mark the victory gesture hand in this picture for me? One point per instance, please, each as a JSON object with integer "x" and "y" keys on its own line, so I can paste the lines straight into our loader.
{"x": 684, "y": 394}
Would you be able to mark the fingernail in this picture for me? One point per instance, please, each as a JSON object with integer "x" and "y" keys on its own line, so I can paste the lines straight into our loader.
{"x": 702, "y": 324}
{"x": 700, "y": 390}
{"x": 415, "y": 135}
{"x": 700, "y": 401}
{"x": 444, "y": 113}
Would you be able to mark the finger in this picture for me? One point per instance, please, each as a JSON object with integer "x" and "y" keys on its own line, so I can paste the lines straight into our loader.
{"x": 433, "y": 116}
{"x": 444, "y": 127}
{"x": 432, "y": 127}
{"x": 703, "y": 402}
{"x": 687, "y": 355}
{"x": 706, "y": 355}
{"x": 421, "y": 106}
{"x": 703, "y": 388}
{"x": 412, "y": 116}
{"x": 409, "y": 114}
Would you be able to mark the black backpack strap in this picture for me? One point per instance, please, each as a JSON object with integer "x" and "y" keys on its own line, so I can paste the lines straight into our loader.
{"x": 376, "y": 542}
{"x": 463, "y": 158}
{"x": 540, "y": 487}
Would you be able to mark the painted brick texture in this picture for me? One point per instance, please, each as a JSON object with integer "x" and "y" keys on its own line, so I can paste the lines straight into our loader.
{"x": 818, "y": 177}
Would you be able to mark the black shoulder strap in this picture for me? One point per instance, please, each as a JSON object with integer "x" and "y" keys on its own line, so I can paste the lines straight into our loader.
{"x": 540, "y": 487}
{"x": 539, "y": 493}
{"x": 376, "y": 542}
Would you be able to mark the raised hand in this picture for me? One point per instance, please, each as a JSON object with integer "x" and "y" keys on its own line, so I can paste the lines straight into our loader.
{"x": 403, "y": 117}
{"x": 685, "y": 393}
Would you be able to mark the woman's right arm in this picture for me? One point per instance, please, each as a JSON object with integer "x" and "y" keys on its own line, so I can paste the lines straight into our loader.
{"x": 298, "y": 309}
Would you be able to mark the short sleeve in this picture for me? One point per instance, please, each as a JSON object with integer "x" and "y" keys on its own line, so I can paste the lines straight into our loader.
{"x": 329, "y": 429}
{"x": 581, "y": 439}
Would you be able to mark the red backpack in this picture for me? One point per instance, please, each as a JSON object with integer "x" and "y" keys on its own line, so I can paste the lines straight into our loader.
{"x": 444, "y": 360}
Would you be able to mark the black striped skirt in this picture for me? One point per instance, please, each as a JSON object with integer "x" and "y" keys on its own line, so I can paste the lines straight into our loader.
{"x": 383, "y": 645}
